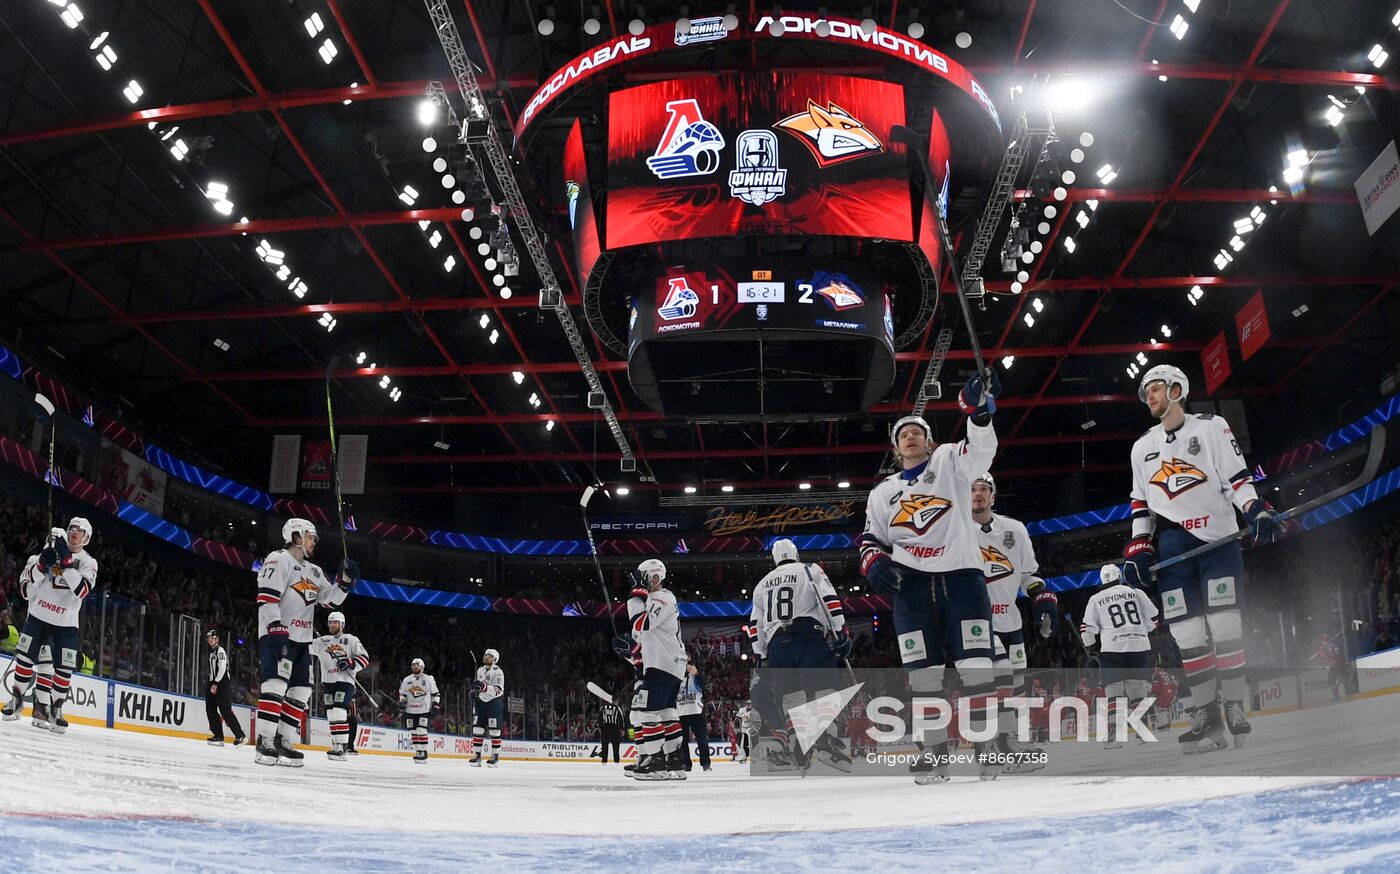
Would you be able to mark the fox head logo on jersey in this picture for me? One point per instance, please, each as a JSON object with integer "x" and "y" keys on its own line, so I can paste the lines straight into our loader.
{"x": 690, "y": 146}
{"x": 919, "y": 512}
{"x": 680, "y": 302}
{"x": 1176, "y": 476}
{"x": 995, "y": 564}
{"x": 832, "y": 135}
{"x": 306, "y": 589}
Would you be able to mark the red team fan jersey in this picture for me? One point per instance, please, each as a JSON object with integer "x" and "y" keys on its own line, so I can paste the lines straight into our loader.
{"x": 1194, "y": 476}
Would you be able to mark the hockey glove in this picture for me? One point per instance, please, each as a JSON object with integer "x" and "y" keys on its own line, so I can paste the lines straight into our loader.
{"x": 979, "y": 402}
{"x": 276, "y": 628}
{"x": 622, "y": 645}
{"x": 1047, "y": 611}
{"x": 1263, "y": 522}
{"x": 47, "y": 559}
{"x": 882, "y": 574}
{"x": 349, "y": 573}
{"x": 478, "y": 688}
{"x": 1139, "y": 557}
{"x": 841, "y": 646}
{"x": 65, "y": 554}
{"x": 343, "y": 665}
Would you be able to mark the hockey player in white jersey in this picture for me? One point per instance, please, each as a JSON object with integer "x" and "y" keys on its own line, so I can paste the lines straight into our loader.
{"x": 341, "y": 656}
{"x": 420, "y": 701}
{"x": 289, "y": 589}
{"x": 1117, "y": 622}
{"x": 655, "y": 627}
{"x": 1188, "y": 479}
{"x": 920, "y": 547}
{"x": 799, "y": 623}
{"x": 489, "y": 690}
{"x": 742, "y": 737}
{"x": 54, "y": 583}
{"x": 1009, "y": 564}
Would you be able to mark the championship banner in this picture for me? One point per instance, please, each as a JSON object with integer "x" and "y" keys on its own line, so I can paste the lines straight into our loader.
{"x": 1252, "y": 322}
{"x": 132, "y": 479}
{"x": 282, "y": 474}
{"x": 353, "y": 450}
{"x": 316, "y": 465}
{"x": 1215, "y": 362}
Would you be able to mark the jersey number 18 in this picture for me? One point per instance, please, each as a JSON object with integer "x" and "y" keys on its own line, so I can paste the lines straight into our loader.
{"x": 785, "y": 594}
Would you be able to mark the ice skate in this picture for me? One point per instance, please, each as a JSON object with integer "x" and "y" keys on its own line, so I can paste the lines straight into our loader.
{"x": 1024, "y": 757}
{"x": 931, "y": 766}
{"x": 675, "y": 765}
{"x": 215, "y": 740}
{"x": 337, "y": 753}
{"x": 240, "y": 740}
{"x": 40, "y": 716}
{"x": 490, "y": 763}
{"x": 1237, "y": 721}
{"x": 651, "y": 767}
{"x": 476, "y": 759}
{"x": 830, "y": 751}
{"x": 986, "y": 751}
{"x": 266, "y": 753}
{"x": 58, "y": 724}
{"x": 12, "y": 708}
{"x": 1206, "y": 734}
{"x": 288, "y": 755}
{"x": 420, "y": 757}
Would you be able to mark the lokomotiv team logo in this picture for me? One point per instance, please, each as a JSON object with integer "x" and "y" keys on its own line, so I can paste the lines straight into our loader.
{"x": 690, "y": 146}
{"x": 680, "y": 302}
{"x": 757, "y": 178}
{"x": 1176, "y": 476}
{"x": 832, "y": 134}
{"x": 919, "y": 512}
{"x": 995, "y": 564}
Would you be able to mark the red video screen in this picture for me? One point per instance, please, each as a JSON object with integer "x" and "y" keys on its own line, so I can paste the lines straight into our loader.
{"x": 772, "y": 153}
{"x": 940, "y": 154}
{"x": 579, "y": 203}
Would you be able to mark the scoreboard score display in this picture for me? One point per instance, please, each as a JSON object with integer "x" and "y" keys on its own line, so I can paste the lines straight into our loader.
{"x": 772, "y": 338}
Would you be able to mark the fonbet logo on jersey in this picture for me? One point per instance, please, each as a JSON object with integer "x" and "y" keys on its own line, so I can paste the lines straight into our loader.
{"x": 831, "y": 134}
{"x": 1176, "y": 476}
{"x": 690, "y": 145}
{"x": 995, "y": 564}
{"x": 919, "y": 512}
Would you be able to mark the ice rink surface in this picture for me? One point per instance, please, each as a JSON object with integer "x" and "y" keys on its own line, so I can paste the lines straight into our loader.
{"x": 100, "y": 800}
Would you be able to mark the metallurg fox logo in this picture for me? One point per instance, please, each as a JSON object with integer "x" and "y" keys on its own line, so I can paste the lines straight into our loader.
{"x": 919, "y": 512}
{"x": 1176, "y": 476}
{"x": 307, "y": 589}
{"x": 995, "y": 564}
{"x": 832, "y": 134}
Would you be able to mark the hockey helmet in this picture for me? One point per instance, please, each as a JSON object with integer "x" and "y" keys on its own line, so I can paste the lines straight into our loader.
{"x": 1171, "y": 376}
{"x": 336, "y": 616}
{"x": 213, "y": 632}
{"x": 1110, "y": 575}
{"x": 652, "y": 566}
{"x": 784, "y": 550}
{"x": 986, "y": 478}
{"x": 84, "y": 526}
{"x": 495, "y": 656}
{"x": 910, "y": 420}
{"x": 416, "y": 664}
{"x": 298, "y": 526}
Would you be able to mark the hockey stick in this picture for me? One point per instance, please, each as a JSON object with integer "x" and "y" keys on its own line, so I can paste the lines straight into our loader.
{"x": 828, "y": 624}
{"x": 335, "y": 457}
{"x": 906, "y": 135}
{"x": 593, "y": 549}
{"x": 50, "y": 475}
{"x": 598, "y": 690}
{"x": 1368, "y": 473}
{"x": 373, "y": 700}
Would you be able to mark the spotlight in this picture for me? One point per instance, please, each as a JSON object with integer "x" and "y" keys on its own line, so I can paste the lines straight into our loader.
{"x": 430, "y": 145}
{"x": 592, "y": 26}
{"x": 439, "y": 165}
{"x": 427, "y": 111}
{"x": 636, "y": 26}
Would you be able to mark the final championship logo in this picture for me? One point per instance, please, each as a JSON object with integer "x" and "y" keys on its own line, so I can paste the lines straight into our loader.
{"x": 703, "y": 30}
{"x": 757, "y": 178}
{"x": 919, "y": 512}
{"x": 1176, "y": 476}
{"x": 690, "y": 146}
{"x": 995, "y": 564}
{"x": 832, "y": 134}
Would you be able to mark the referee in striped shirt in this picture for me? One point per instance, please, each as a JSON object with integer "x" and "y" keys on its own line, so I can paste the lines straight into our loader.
{"x": 610, "y": 731}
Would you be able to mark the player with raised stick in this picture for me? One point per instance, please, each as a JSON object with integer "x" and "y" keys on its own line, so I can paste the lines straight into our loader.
{"x": 799, "y": 624}
{"x": 290, "y": 587}
{"x": 1189, "y": 477}
{"x": 920, "y": 549}
{"x": 1009, "y": 564}
{"x": 656, "y": 630}
{"x": 341, "y": 656}
{"x": 420, "y": 701}
{"x": 489, "y": 690}
{"x": 1117, "y": 621}
{"x": 54, "y": 582}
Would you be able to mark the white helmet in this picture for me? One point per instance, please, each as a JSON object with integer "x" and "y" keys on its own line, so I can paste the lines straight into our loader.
{"x": 910, "y": 420}
{"x": 784, "y": 550}
{"x": 85, "y": 526}
{"x": 986, "y": 478}
{"x": 1109, "y": 574}
{"x": 1168, "y": 374}
{"x": 495, "y": 656}
{"x": 652, "y": 566}
{"x": 416, "y": 663}
{"x": 298, "y": 526}
{"x": 337, "y": 616}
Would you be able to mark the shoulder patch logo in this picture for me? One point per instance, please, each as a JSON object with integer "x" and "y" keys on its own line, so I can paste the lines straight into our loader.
{"x": 919, "y": 512}
{"x": 1176, "y": 476}
{"x": 995, "y": 564}
{"x": 831, "y": 134}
